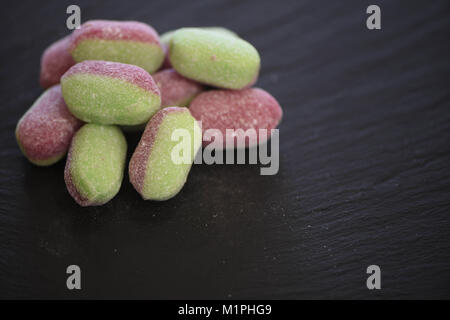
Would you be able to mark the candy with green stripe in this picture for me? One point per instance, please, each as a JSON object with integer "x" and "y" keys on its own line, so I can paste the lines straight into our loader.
{"x": 110, "y": 93}
{"x": 128, "y": 42}
{"x": 167, "y": 36}
{"x": 161, "y": 162}
{"x": 213, "y": 58}
{"x": 95, "y": 164}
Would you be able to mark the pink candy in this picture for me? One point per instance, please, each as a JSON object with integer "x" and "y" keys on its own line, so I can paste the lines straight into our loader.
{"x": 251, "y": 108}
{"x": 55, "y": 61}
{"x": 175, "y": 89}
{"x": 45, "y": 131}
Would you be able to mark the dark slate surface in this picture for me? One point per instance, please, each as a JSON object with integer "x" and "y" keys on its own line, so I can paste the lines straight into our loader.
{"x": 364, "y": 166}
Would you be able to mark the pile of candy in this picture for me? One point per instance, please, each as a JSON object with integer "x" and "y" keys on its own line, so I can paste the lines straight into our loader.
{"x": 110, "y": 76}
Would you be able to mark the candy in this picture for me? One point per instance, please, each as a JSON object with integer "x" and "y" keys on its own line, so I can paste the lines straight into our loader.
{"x": 167, "y": 36}
{"x": 55, "y": 60}
{"x": 110, "y": 93}
{"x": 213, "y": 58}
{"x": 95, "y": 164}
{"x": 128, "y": 42}
{"x": 155, "y": 170}
{"x": 175, "y": 89}
{"x": 246, "y": 109}
{"x": 45, "y": 130}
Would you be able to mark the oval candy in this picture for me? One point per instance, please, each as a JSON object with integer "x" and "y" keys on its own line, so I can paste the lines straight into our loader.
{"x": 46, "y": 129}
{"x": 213, "y": 58}
{"x": 251, "y": 108}
{"x": 95, "y": 164}
{"x": 155, "y": 170}
{"x": 55, "y": 61}
{"x": 110, "y": 93}
{"x": 128, "y": 42}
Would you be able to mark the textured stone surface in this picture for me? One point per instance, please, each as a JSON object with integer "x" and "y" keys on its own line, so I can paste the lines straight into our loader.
{"x": 364, "y": 166}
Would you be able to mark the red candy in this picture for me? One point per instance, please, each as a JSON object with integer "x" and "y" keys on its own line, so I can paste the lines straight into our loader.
{"x": 45, "y": 131}
{"x": 55, "y": 61}
{"x": 245, "y": 109}
{"x": 175, "y": 89}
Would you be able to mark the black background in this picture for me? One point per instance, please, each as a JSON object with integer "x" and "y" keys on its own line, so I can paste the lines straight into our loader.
{"x": 364, "y": 165}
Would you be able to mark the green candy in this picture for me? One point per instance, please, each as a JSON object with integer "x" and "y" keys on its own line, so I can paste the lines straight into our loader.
{"x": 110, "y": 93}
{"x": 214, "y": 58}
{"x": 163, "y": 158}
{"x": 95, "y": 164}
